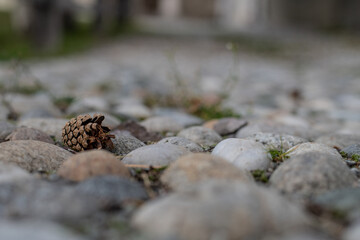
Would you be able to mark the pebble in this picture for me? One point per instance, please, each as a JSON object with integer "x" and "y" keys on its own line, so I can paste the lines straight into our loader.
{"x": 161, "y": 125}
{"x": 182, "y": 118}
{"x": 183, "y": 142}
{"x": 135, "y": 110}
{"x": 35, "y": 230}
{"x": 244, "y": 154}
{"x": 112, "y": 191}
{"x": 88, "y": 104}
{"x": 201, "y": 135}
{"x": 5, "y": 129}
{"x": 281, "y": 142}
{"x": 51, "y": 126}
{"x": 312, "y": 173}
{"x": 92, "y": 163}
{"x": 33, "y": 155}
{"x": 125, "y": 143}
{"x": 24, "y": 133}
{"x": 339, "y": 140}
{"x": 138, "y": 131}
{"x": 226, "y": 126}
{"x": 352, "y": 150}
{"x": 13, "y": 173}
{"x": 155, "y": 155}
{"x": 310, "y": 147}
{"x": 214, "y": 209}
{"x": 194, "y": 168}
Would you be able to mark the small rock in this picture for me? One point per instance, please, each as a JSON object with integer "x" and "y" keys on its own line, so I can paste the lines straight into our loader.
{"x": 201, "y": 135}
{"x": 161, "y": 124}
{"x": 228, "y": 126}
{"x": 5, "y": 129}
{"x": 24, "y": 133}
{"x": 92, "y": 163}
{"x": 155, "y": 155}
{"x": 50, "y": 126}
{"x": 351, "y": 150}
{"x": 112, "y": 191}
{"x": 198, "y": 167}
{"x": 33, "y": 155}
{"x": 183, "y": 142}
{"x": 88, "y": 104}
{"x": 310, "y": 147}
{"x": 12, "y": 173}
{"x": 139, "y": 131}
{"x": 312, "y": 173}
{"x": 136, "y": 110}
{"x": 245, "y": 154}
{"x": 34, "y": 230}
{"x": 339, "y": 140}
{"x": 213, "y": 210}
{"x": 182, "y": 118}
{"x": 125, "y": 143}
{"x": 276, "y": 141}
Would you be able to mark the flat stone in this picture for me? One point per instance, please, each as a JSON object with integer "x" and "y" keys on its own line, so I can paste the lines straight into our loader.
{"x": 198, "y": 167}
{"x": 155, "y": 155}
{"x": 33, "y": 155}
{"x": 281, "y": 142}
{"x": 5, "y": 129}
{"x": 312, "y": 173}
{"x": 214, "y": 209}
{"x": 161, "y": 124}
{"x": 125, "y": 143}
{"x": 244, "y": 154}
{"x": 351, "y": 150}
{"x": 228, "y": 126}
{"x": 92, "y": 163}
{"x": 183, "y": 142}
{"x": 201, "y": 135}
{"x": 339, "y": 140}
{"x": 35, "y": 230}
{"x": 112, "y": 191}
{"x": 24, "y": 133}
{"x": 51, "y": 126}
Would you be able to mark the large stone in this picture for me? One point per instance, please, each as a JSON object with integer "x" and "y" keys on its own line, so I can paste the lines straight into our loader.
{"x": 12, "y": 173}
{"x": 51, "y": 126}
{"x": 245, "y": 154}
{"x": 201, "y": 135}
{"x": 276, "y": 141}
{"x": 125, "y": 143}
{"x": 33, "y": 155}
{"x": 161, "y": 124}
{"x": 155, "y": 155}
{"x": 198, "y": 167}
{"x": 310, "y": 147}
{"x": 24, "y": 133}
{"x": 312, "y": 173}
{"x": 339, "y": 140}
{"x": 35, "y": 230}
{"x": 92, "y": 163}
{"x": 220, "y": 210}
{"x": 183, "y": 142}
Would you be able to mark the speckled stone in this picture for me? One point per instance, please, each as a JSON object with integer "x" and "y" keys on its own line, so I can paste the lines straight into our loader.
{"x": 125, "y": 143}
{"x": 198, "y": 167}
{"x": 92, "y": 163}
{"x": 201, "y": 135}
{"x": 51, "y": 126}
{"x": 353, "y": 149}
{"x": 312, "y": 173}
{"x": 276, "y": 141}
{"x": 183, "y": 142}
{"x": 311, "y": 147}
{"x": 33, "y": 155}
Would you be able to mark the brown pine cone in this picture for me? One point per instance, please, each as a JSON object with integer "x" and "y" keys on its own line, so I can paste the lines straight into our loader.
{"x": 83, "y": 133}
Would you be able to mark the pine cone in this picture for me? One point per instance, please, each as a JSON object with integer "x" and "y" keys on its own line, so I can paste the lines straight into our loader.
{"x": 83, "y": 133}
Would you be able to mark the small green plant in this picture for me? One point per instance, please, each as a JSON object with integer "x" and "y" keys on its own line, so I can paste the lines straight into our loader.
{"x": 343, "y": 154}
{"x": 214, "y": 112}
{"x": 260, "y": 176}
{"x": 278, "y": 155}
{"x": 355, "y": 157}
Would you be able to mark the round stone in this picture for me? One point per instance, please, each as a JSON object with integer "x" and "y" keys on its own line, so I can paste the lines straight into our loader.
{"x": 92, "y": 163}
{"x": 214, "y": 209}
{"x": 33, "y": 155}
{"x": 183, "y": 142}
{"x": 51, "y": 126}
{"x": 24, "y": 133}
{"x": 198, "y": 167}
{"x": 245, "y": 154}
{"x": 228, "y": 126}
{"x": 125, "y": 143}
{"x": 112, "y": 191}
{"x": 310, "y": 147}
{"x": 281, "y": 142}
{"x": 155, "y": 155}
{"x": 339, "y": 140}
{"x": 161, "y": 124}
{"x": 136, "y": 110}
{"x": 312, "y": 173}
{"x": 201, "y": 135}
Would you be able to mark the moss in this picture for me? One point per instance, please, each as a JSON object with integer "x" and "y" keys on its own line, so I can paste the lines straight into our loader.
{"x": 214, "y": 112}
{"x": 355, "y": 157}
{"x": 278, "y": 155}
{"x": 343, "y": 154}
{"x": 260, "y": 176}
